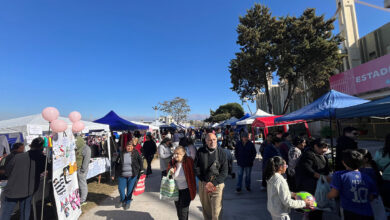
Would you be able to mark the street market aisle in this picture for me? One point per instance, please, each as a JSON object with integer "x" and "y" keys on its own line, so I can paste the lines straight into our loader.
{"x": 236, "y": 206}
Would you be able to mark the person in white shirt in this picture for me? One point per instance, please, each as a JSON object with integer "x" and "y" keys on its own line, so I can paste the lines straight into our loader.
{"x": 165, "y": 155}
{"x": 279, "y": 196}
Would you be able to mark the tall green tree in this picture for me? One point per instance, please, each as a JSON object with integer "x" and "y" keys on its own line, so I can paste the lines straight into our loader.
{"x": 302, "y": 51}
{"x": 254, "y": 64}
{"x": 307, "y": 53}
{"x": 177, "y": 108}
{"x": 225, "y": 112}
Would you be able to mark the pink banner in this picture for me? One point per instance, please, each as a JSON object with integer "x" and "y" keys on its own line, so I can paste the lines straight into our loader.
{"x": 367, "y": 77}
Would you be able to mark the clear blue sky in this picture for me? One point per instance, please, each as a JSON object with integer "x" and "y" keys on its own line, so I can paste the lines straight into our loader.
{"x": 95, "y": 55}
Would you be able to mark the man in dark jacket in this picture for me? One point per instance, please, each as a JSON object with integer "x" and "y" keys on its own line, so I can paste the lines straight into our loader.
{"x": 23, "y": 173}
{"x": 211, "y": 168}
{"x": 245, "y": 154}
{"x": 17, "y": 148}
{"x": 149, "y": 149}
{"x": 270, "y": 151}
{"x": 310, "y": 167}
{"x": 345, "y": 142}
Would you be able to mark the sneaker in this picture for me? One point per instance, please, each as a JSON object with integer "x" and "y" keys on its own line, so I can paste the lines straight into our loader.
{"x": 238, "y": 190}
{"x": 118, "y": 204}
{"x": 248, "y": 189}
{"x": 127, "y": 206}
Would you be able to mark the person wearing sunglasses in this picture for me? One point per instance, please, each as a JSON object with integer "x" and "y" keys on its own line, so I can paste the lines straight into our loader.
{"x": 345, "y": 142}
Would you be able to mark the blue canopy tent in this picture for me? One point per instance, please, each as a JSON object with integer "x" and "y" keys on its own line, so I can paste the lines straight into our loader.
{"x": 247, "y": 115}
{"x": 117, "y": 123}
{"x": 323, "y": 108}
{"x": 376, "y": 108}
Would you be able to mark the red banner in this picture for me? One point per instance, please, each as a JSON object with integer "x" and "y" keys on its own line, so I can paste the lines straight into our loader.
{"x": 367, "y": 77}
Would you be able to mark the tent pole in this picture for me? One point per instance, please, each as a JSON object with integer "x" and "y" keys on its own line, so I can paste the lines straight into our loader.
{"x": 331, "y": 143}
{"x": 44, "y": 177}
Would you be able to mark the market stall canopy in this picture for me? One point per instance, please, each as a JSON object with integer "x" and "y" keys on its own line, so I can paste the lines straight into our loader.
{"x": 159, "y": 124}
{"x": 143, "y": 124}
{"x": 376, "y": 108}
{"x": 323, "y": 108}
{"x": 258, "y": 113}
{"x": 229, "y": 121}
{"x": 271, "y": 122}
{"x": 247, "y": 115}
{"x": 27, "y": 124}
{"x": 215, "y": 125}
{"x": 265, "y": 122}
{"x": 117, "y": 123}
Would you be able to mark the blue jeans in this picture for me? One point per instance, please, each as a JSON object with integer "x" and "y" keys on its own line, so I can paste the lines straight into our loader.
{"x": 9, "y": 205}
{"x": 247, "y": 171}
{"x": 126, "y": 183}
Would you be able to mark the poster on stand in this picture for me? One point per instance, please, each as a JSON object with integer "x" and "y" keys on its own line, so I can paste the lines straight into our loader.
{"x": 65, "y": 183}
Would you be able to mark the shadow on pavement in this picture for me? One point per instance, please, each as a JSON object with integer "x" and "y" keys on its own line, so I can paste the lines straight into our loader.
{"x": 114, "y": 214}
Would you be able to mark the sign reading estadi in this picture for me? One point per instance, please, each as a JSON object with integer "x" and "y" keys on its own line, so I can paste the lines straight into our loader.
{"x": 367, "y": 77}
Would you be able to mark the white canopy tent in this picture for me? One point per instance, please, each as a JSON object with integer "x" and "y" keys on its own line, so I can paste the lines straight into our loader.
{"x": 34, "y": 126}
{"x": 151, "y": 126}
{"x": 259, "y": 113}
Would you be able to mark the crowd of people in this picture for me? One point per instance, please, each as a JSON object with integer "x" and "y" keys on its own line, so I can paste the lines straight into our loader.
{"x": 289, "y": 164}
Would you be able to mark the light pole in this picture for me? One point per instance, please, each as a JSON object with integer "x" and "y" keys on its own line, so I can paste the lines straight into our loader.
{"x": 245, "y": 99}
{"x": 155, "y": 108}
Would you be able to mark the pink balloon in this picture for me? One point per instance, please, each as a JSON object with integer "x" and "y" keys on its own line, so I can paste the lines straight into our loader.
{"x": 78, "y": 126}
{"x": 75, "y": 116}
{"x": 58, "y": 125}
{"x": 50, "y": 114}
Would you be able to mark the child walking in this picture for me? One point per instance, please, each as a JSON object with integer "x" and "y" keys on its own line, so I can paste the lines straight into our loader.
{"x": 355, "y": 188}
{"x": 279, "y": 196}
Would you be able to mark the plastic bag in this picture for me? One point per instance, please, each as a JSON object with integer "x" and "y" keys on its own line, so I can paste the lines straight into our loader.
{"x": 322, "y": 190}
{"x": 168, "y": 189}
{"x": 140, "y": 187}
{"x": 378, "y": 209}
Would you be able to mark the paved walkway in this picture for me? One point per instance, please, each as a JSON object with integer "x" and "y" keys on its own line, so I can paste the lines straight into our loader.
{"x": 242, "y": 206}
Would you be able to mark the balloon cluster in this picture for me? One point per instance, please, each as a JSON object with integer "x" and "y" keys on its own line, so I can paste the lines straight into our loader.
{"x": 57, "y": 125}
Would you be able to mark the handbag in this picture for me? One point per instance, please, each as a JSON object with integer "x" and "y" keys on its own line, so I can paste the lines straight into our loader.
{"x": 322, "y": 189}
{"x": 140, "y": 187}
{"x": 168, "y": 189}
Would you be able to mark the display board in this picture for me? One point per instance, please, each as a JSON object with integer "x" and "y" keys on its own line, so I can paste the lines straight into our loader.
{"x": 65, "y": 183}
{"x": 98, "y": 166}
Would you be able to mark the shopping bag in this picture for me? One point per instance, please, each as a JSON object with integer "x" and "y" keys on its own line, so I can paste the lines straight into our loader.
{"x": 322, "y": 190}
{"x": 140, "y": 187}
{"x": 168, "y": 189}
{"x": 378, "y": 209}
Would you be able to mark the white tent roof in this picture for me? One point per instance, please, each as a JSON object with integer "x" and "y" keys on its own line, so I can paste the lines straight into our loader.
{"x": 151, "y": 126}
{"x": 24, "y": 124}
{"x": 259, "y": 113}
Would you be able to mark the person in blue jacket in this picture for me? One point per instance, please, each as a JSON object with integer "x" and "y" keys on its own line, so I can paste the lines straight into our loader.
{"x": 245, "y": 154}
{"x": 269, "y": 152}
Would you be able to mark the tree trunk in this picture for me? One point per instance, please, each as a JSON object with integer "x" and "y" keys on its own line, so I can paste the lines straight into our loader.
{"x": 267, "y": 94}
{"x": 290, "y": 96}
